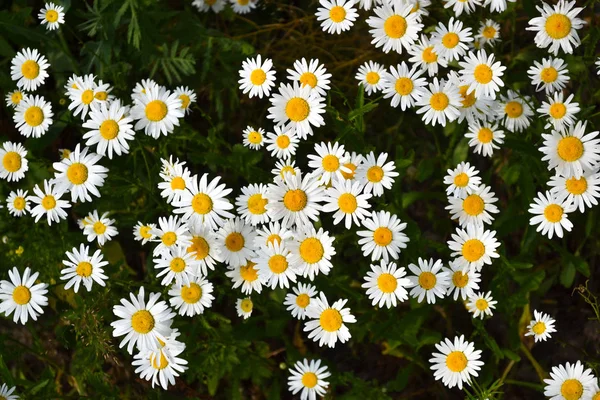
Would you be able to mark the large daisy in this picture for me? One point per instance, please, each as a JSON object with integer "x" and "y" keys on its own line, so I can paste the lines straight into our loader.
{"x": 47, "y": 202}
{"x": 17, "y": 203}
{"x": 384, "y": 237}
{"x": 311, "y": 251}
{"x": 14, "y": 164}
{"x": 376, "y": 174}
{"x": 557, "y": 26}
{"x": 440, "y": 102}
{"x": 429, "y": 280}
{"x": 109, "y": 129}
{"x": 485, "y": 137}
{"x": 474, "y": 247}
{"x": 582, "y": 191}
{"x": 245, "y": 276}
{"x": 274, "y": 267}
{"x": 251, "y": 204}
{"x": 301, "y": 297}
{"x": 23, "y": 296}
{"x": 33, "y": 116}
{"x": 474, "y": 208}
{"x": 236, "y": 240}
{"x": 451, "y": 42}
{"x": 394, "y": 26}
{"x": 257, "y": 78}
{"x": 52, "y": 16}
{"x": 312, "y": 74}
{"x": 570, "y": 382}
{"x": 456, "y": 362}
{"x": 326, "y": 323}
{"x": 347, "y": 201}
{"x": 83, "y": 268}
{"x": 404, "y": 86}
{"x": 28, "y": 68}
{"x": 176, "y": 264}
{"x": 308, "y": 378}
{"x": 157, "y": 111}
{"x": 386, "y": 284}
{"x": 99, "y": 228}
{"x": 462, "y": 179}
{"x": 193, "y": 297}
{"x": 515, "y": 111}
{"x": 80, "y": 174}
{"x": 462, "y": 283}
{"x": 550, "y": 214}
{"x": 371, "y": 74}
{"x": 283, "y": 143}
{"x": 550, "y": 75}
{"x": 424, "y": 56}
{"x": 336, "y": 15}
{"x": 328, "y": 163}
{"x": 482, "y": 73}
{"x": 560, "y": 111}
{"x": 171, "y": 233}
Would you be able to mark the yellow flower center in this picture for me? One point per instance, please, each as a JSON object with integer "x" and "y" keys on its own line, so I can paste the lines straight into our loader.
{"x": 460, "y": 279}
{"x": 485, "y": 135}
{"x": 84, "y": 269}
{"x": 234, "y": 241}
{"x": 427, "y": 280}
{"x": 439, "y": 101}
{"x": 337, "y": 14}
{"x": 156, "y": 110}
{"x": 295, "y": 200}
{"x": 51, "y": 16}
{"x": 77, "y": 173}
{"x": 513, "y": 109}
{"x": 387, "y": 283}
{"x": 21, "y": 295}
{"x": 576, "y": 186}
{"x": 160, "y": 362}
{"x": 274, "y": 238}
{"x": 34, "y": 116}
{"x": 19, "y": 203}
{"x": 243, "y": 2}
{"x": 185, "y": 101}
{"x": 278, "y": 264}
{"x": 553, "y": 213}
{"x": 395, "y": 26}
{"x": 30, "y": 69}
{"x": 558, "y": 26}
{"x": 596, "y": 396}
{"x": 169, "y": 238}
{"x": 308, "y": 78}
{"x": 200, "y": 247}
{"x": 489, "y": 32}
{"x": 142, "y": 321}
{"x": 202, "y": 203}
{"x": 309, "y": 379}
{"x": 450, "y": 40}
{"x": 258, "y": 77}
{"x": 382, "y": 236}
{"x": 288, "y": 169}
{"x": 145, "y": 232}
{"x": 347, "y": 203}
{"x": 558, "y": 110}
{"x": 473, "y": 250}
{"x": 429, "y": 55}
{"x": 177, "y": 183}
{"x": 255, "y": 137}
{"x": 302, "y": 300}
{"x": 570, "y": 148}
{"x": 461, "y": 180}
{"x": 297, "y": 109}
{"x": 349, "y": 175}
{"x": 87, "y": 96}
{"x": 48, "y": 202}
{"x": 481, "y": 304}
{"x": 311, "y": 250}
{"x": 177, "y": 264}
{"x": 331, "y": 320}
{"x": 191, "y": 294}
{"x": 109, "y": 129}
{"x": 571, "y": 389}
{"x": 283, "y": 141}
{"x": 473, "y": 205}
{"x": 456, "y": 361}
{"x": 483, "y": 73}
{"x": 246, "y": 305}
{"x": 467, "y": 100}
{"x": 256, "y": 204}
{"x": 248, "y": 272}
{"x": 538, "y": 328}
{"x": 549, "y": 75}
{"x": 99, "y": 228}
{"x": 102, "y": 96}
{"x": 375, "y": 174}
{"x": 16, "y": 97}
{"x": 330, "y": 163}
{"x": 11, "y": 161}
{"x": 372, "y": 78}
{"x": 404, "y": 86}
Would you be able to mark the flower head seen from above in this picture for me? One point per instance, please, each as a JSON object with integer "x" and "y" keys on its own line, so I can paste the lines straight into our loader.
{"x": 582, "y": 192}
{"x": 301, "y": 297}
{"x": 371, "y": 74}
{"x": 245, "y": 276}
{"x": 254, "y": 138}
{"x": 424, "y": 55}
{"x": 274, "y": 267}
{"x": 462, "y": 179}
{"x": 429, "y": 280}
{"x": 244, "y": 307}
{"x": 515, "y": 111}
{"x": 386, "y": 284}
{"x": 473, "y": 208}
{"x": 17, "y": 203}
{"x": 162, "y": 365}
{"x": 171, "y": 233}
{"x": 14, "y": 98}
{"x": 329, "y": 162}
{"x": 456, "y": 362}
{"x": 52, "y": 16}
{"x": 440, "y": 102}
{"x": 251, "y": 204}
{"x": 176, "y": 264}
{"x": 143, "y": 232}
{"x": 193, "y": 297}
{"x": 376, "y": 173}
{"x": 109, "y": 129}
{"x": 481, "y": 304}
{"x": 489, "y": 32}
{"x": 348, "y": 202}
{"x": 257, "y": 77}
{"x": 33, "y": 116}
{"x": 384, "y": 237}
{"x": 463, "y": 284}
{"x": 282, "y": 143}
{"x": 311, "y": 251}
{"x": 176, "y": 178}
{"x": 99, "y": 228}
{"x": 404, "y": 86}
{"x": 327, "y": 324}
{"x": 560, "y": 111}
{"x": 550, "y": 75}
{"x": 336, "y": 16}
{"x": 80, "y": 174}
{"x": 83, "y": 268}
{"x": 474, "y": 247}
{"x": 482, "y": 73}
{"x": 187, "y": 97}
{"x": 14, "y": 164}
{"x": 541, "y": 326}
{"x": 157, "y": 111}
{"x": 551, "y": 214}
{"x": 47, "y": 202}
{"x": 308, "y": 378}
{"x": 557, "y": 26}
{"x": 236, "y": 239}
{"x": 570, "y": 382}
{"x": 485, "y": 137}
{"x": 451, "y": 42}
{"x": 394, "y": 27}
{"x": 23, "y": 296}
{"x": 28, "y": 68}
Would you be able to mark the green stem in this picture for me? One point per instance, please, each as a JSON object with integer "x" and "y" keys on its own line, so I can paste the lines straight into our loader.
{"x": 538, "y": 368}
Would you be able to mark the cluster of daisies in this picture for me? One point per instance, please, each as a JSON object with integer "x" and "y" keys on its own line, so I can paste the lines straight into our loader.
{"x": 216, "y": 6}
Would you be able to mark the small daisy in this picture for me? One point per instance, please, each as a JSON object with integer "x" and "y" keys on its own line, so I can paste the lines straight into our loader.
{"x": 371, "y": 74}
{"x": 482, "y": 73}
{"x": 515, "y": 111}
{"x": 273, "y": 263}
{"x": 570, "y": 382}
{"x": 485, "y": 137}
{"x": 404, "y": 86}
{"x": 47, "y": 202}
{"x": 462, "y": 283}
{"x": 251, "y": 204}
{"x": 236, "y": 240}
{"x": 440, "y": 102}
{"x": 161, "y": 365}
{"x": 157, "y": 111}
{"x": 461, "y": 179}
{"x": 329, "y": 162}
{"x": 354, "y": 161}
{"x": 14, "y": 98}
{"x": 23, "y": 296}
{"x": 348, "y": 202}
{"x": 308, "y": 379}
{"x": 497, "y": 5}
{"x": 450, "y": 43}
{"x": 14, "y": 164}
{"x": 244, "y": 307}
{"x": 394, "y": 27}
{"x": 254, "y": 138}
{"x": 176, "y": 179}
{"x": 176, "y": 263}
{"x": 187, "y": 97}
{"x": 474, "y": 247}
{"x": 100, "y": 228}
{"x": 541, "y": 326}
{"x": 143, "y": 232}
{"x": 6, "y": 393}
{"x": 489, "y": 33}
{"x": 572, "y": 152}
{"x": 144, "y": 324}
{"x": 29, "y": 69}
{"x": 561, "y": 113}
{"x": 550, "y": 75}
{"x": 456, "y": 362}
{"x": 472, "y": 108}
{"x": 192, "y": 298}
{"x": 551, "y": 214}
{"x": 83, "y": 268}
{"x": 80, "y": 174}
{"x": 298, "y": 301}
{"x": 557, "y": 26}
{"x": 474, "y": 208}
{"x": 215, "y": 5}
{"x": 311, "y": 74}
{"x": 384, "y": 237}
{"x": 481, "y": 304}
{"x": 582, "y": 191}
{"x": 386, "y": 284}
{"x": 17, "y": 203}
{"x": 141, "y": 88}
{"x": 171, "y": 233}
{"x": 273, "y": 233}
{"x": 460, "y": 6}
{"x": 429, "y": 280}
{"x": 283, "y": 167}
{"x": 282, "y": 143}
{"x": 33, "y": 116}
{"x": 82, "y": 95}
{"x": 311, "y": 251}
{"x": 242, "y": 6}
{"x": 337, "y": 16}
{"x": 376, "y": 174}
{"x": 110, "y": 129}
{"x": 257, "y": 77}
{"x": 326, "y": 323}
{"x": 245, "y": 276}
{"x": 52, "y": 16}
{"x": 425, "y": 57}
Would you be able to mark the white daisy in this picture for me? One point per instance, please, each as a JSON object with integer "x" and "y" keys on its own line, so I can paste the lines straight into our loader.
{"x": 99, "y": 228}
{"x": 236, "y": 240}
{"x": 569, "y": 382}
{"x": 462, "y": 179}
{"x": 14, "y": 164}
{"x": 242, "y": 6}
{"x": 14, "y": 98}
{"x": 17, "y": 203}
{"x": 215, "y": 5}
{"x": 273, "y": 263}
{"x": 285, "y": 166}
{"x": 354, "y": 161}
{"x": 311, "y": 74}
{"x": 157, "y": 111}
{"x": 28, "y": 68}
{"x": 176, "y": 178}
{"x": 33, "y": 116}
{"x": 472, "y": 108}
{"x": 171, "y": 233}
{"x": 336, "y": 15}
{"x": 7, "y": 393}
{"x": 450, "y": 43}
{"x": 192, "y": 298}
{"x": 301, "y": 297}
{"x": 481, "y": 304}
{"x": 83, "y": 268}
{"x": 311, "y": 251}
{"x": 204, "y": 247}
{"x": 560, "y": 112}
{"x": 48, "y": 203}
{"x": 376, "y": 174}
{"x": 254, "y": 138}
{"x": 550, "y": 75}
{"x": 541, "y": 326}
{"x": 347, "y": 201}
{"x": 282, "y": 143}
{"x": 485, "y": 137}
{"x": 424, "y": 56}
{"x": 386, "y": 284}
{"x": 161, "y": 365}
{"x": 582, "y": 191}
{"x": 515, "y": 111}
{"x": 394, "y": 26}
{"x": 251, "y": 204}
{"x": 244, "y": 307}
{"x": 52, "y": 16}
{"x": 308, "y": 379}
{"x": 489, "y": 33}
{"x": 497, "y": 5}
{"x": 440, "y": 102}
{"x": 80, "y": 174}
{"x": 257, "y": 77}
{"x": 273, "y": 233}
{"x": 429, "y": 280}
{"x": 456, "y": 362}
{"x": 23, "y": 296}
{"x": 110, "y": 129}
{"x": 482, "y": 73}
{"x": 141, "y": 88}
{"x": 143, "y": 232}
{"x": 82, "y": 95}
{"x": 557, "y": 26}
{"x": 187, "y": 97}
{"x": 404, "y": 86}
{"x": 474, "y": 247}
{"x": 551, "y": 214}
{"x": 384, "y": 237}
{"x": 176, "y": 263}
{"x": 462, "y": 283}
{"x": 460, "y": 6}
{"x": 245, "y": 276}
{"x": 474, "y": 208}
{"x": 327, "y": 324}
{"x": 370, "y": 74}
{"x": 329, "y": 162}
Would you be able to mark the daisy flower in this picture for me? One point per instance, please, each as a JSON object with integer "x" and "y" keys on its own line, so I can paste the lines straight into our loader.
{"x": 192, "y": 298}
{"x": 176, "y": 179}
{"x": 254, "y": 138}
{"x": 329, "y": 162}
{"x": 560, "y": 112}
{"x": 273, "y": 233}
{"x": 82, "y": 95}
{"x": 160, "y": 366}
{"x": 569, "y": 382}
{"x": 551, "y": 214}
{"x": 429, "y": 280}
{"x": 386, "y": 284}
{"x": 354, "y": 161}
{"x": 301, "y": 297}
{"x": 7, "y": 393}
{"x": 337, "y": 16}
{"x": 311, "y": 74}
{"x": 450, "y": 43}
{"x": 187, "y": 97}
{"x": 236, "y": 240}
{"x": 17, "y": 203}
{"x": 176, "y": 263}
{"x": 157, "y": 111}
{"x": 257, "y": 78}
{"x": 144, "y": 324}
{"x": 485, "y": 137}
{"x": 143, "y": 232}
{"x": 424, "y": 56}
{"x": 482, "y": 73}
{"x": 456, "y": 362}
{"x": 14, "y": 164}
{"x": 439, "y": 102}
{"x": 462, "y": 283}
{"x": 285, "y": 166}
{"x": 204, "y": 5}
{"x": 47, "y": 202}
{"x": 404, "y": 86}
{"x": 489, "y": 32}
{"x": 282, "y": 143}
{"x": 384, "y": 236}
{"x": 273, "y": 264}
{"x": 171, "y": 233}
{"x": 481, "y": 304}
{"x": 242, "y": 6}
{"x": 83, "y": 268}
{"x": 80, "y": 174}
{"x": 347, "y": 201}
{"x": 28, "y": 68}
{"x": 550, "y": 75}
{"x": 376, "y": 174}
{"x": 141, "y": 88}
{"x": 244, "y": 307}
{"x": 371, "y": 74}
{"x": 394, "y": 27}
{"x": 14, "y": 98}
{"x": 474, "y": 208}
{"x": 245, "y": 276}
{"x": 311, "y": 251}
{"x": 22, "y": 296}
{"x": 461, "y": 179}
{"x": 572, "y": 152}
{"x": 204, "y": 202}
{"x": 460, "y": 6}
{"x": 308, "y": 379}
{"x": 204, "y": 247}
{"x": 515, "y": 111}
{"x": 327, "y": 324}
{"x": 251, "y": 204}
{"x": 52, "y": 16}
{"x": 497, "y": 5}
{"x": 33, "y": 116}
{"x": 295, "y": 199}
{"x": 474, "y": 247}
{"x": 100, "y": 228}
{"x": 109, "y": 129}
{"x": 582, "y": 191}
{"x": 541, "y": 326}
{"x": 557, "y": 26}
